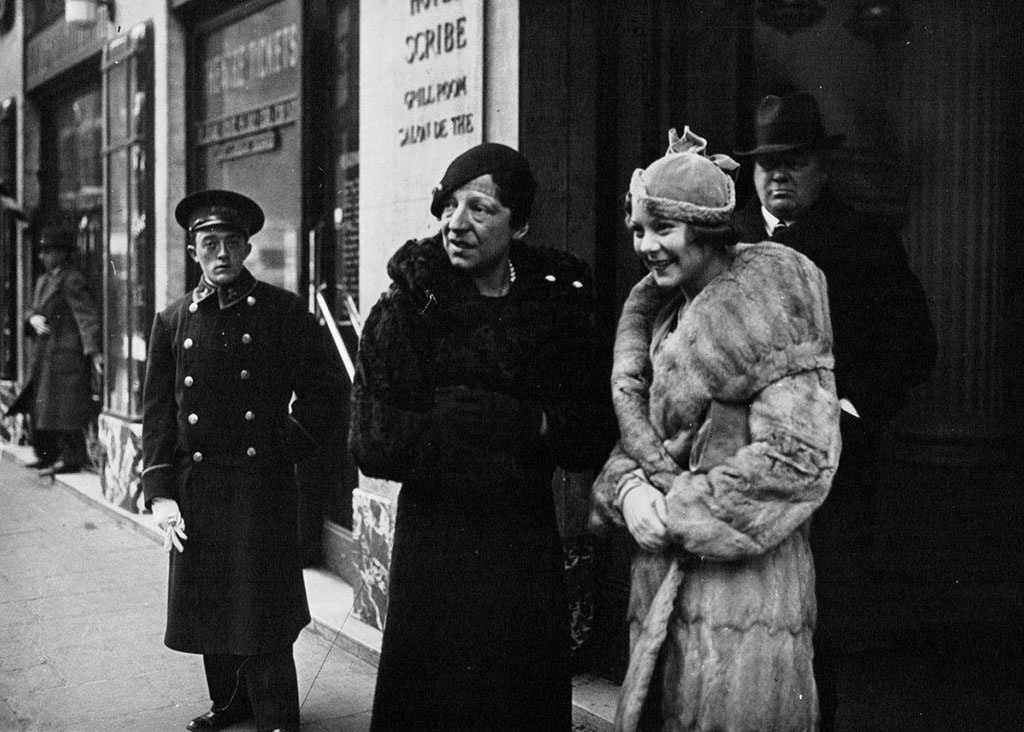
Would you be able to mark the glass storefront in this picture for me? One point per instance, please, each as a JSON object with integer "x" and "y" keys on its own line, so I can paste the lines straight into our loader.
{"x": 128, "y": 286}
{"x": 247, "y": 129}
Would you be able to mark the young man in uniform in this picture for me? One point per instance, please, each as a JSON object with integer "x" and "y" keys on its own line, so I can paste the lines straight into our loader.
{"x": 220, "y": 443}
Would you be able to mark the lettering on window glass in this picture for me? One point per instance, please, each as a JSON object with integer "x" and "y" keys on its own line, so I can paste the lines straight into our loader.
{"x": 256, "y": 60}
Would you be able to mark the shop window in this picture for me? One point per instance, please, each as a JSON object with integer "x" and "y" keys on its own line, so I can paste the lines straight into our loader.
{"x": 71, "y": 170}
{"x": 8, "y": 298}
{"x": 346, "y": 147}
{"x": 40, "y": 13}
{"x": 8, "y": 243}
{"x": 339, "y": 276}
{"x": 128, "y": 245}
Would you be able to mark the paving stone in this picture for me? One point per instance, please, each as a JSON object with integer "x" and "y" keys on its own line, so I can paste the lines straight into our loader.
{"x": 82, "y": 612}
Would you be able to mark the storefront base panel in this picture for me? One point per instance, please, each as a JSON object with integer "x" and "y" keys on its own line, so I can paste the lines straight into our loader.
{"x": 14, "y": 427}
{"x": 121, "y": 465}
{"x": 373, "y": 530}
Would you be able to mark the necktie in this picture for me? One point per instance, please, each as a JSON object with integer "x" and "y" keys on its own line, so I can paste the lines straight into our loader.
{"x": 780, "y": 232}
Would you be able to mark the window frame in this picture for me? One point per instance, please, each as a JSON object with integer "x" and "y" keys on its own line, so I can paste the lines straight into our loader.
{"x": 132, "y": 51}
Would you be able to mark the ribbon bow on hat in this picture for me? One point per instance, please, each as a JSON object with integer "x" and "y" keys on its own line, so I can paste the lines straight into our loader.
{"x": 685, "y": 184}
{"x": 694, "y": 144}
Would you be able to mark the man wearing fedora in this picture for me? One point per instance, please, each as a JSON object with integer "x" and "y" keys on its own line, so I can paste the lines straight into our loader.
{"x": 884, "y": 342}
{"x": 64, "y": 323}
{"x": 219, "y": 445}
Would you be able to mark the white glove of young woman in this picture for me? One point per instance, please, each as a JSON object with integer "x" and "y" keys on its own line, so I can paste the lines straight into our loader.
{"x": 168, "y": 517}
{"x": 643, "y": 508}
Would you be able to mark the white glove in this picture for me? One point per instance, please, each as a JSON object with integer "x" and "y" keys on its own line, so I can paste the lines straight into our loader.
{"x": 643, "y": 508}
{"x": 39, "y": 325}
{"x": 168, "y": 517}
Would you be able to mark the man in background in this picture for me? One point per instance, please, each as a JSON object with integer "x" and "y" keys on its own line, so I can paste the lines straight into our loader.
{"x": 884, "y": 341}
{"x": 64, "y": 323}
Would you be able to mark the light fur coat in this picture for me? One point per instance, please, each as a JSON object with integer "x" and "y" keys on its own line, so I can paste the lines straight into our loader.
{"x": 757, "y": 342}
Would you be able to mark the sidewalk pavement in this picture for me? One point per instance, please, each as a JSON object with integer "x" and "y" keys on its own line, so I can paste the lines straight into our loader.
{"x": 82, "y": 608}
{"x": 83, "y": 602}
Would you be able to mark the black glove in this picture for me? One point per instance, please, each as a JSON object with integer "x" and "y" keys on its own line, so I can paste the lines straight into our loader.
{"x": 485, "y": 418}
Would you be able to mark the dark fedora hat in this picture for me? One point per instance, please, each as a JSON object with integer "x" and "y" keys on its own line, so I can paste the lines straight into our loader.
{"x": 790, "y": 123}
{"x": 56, "y": 236}
{"x": 215, "y": 207}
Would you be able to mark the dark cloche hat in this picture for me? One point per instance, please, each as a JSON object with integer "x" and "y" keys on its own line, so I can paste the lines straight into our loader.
{"x": 488, "y": 157}
{"x": 56, "y": 236}
{"x": 215, "y": 207}
{"x": 790, "y": 123}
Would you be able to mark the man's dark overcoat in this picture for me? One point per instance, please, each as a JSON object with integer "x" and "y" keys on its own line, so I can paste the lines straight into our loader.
{"x": 477, "y": 633}
{"x": 58, "y": 393}
{"x": 884, "y": 344}
{"x": 217, "y": 437}
{"x": 884, "y": 338}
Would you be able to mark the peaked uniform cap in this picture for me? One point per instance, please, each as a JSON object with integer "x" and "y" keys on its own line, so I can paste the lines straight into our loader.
{"x": 214, "y": 207}
{"x": 790, "y": 123}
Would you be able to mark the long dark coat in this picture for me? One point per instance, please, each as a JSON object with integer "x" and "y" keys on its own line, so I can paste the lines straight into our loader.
{"x": 477, "y": 633}
{"x": 884, "y": 344}
{"x": 884, "y": 339}
{"x": 58, "y": 392}
{"x": 217, "y": 437}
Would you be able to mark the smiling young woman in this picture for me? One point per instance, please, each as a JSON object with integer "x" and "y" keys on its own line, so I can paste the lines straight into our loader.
{"x": 729, "y": 426}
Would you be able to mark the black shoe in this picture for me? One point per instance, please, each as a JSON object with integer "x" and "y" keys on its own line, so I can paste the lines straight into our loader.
{"x": 213, "y": 720}
{"x": 59, "y": 467}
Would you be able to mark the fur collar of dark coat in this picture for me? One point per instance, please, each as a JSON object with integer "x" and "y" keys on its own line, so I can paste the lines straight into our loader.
{"x": 421, "y": 269}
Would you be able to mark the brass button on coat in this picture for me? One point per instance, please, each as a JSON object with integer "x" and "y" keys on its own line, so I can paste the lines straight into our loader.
{"x": 246, "y": 338}
{"x": 193, "y": 418}
{"x": 249, "y": 416}
{"x": 197, "y": 457}
{"x": 187, "y": 343}
{"x": 244, "y": 374}
{"x": 251, "y": 452}
{"x": 189, "y": 381}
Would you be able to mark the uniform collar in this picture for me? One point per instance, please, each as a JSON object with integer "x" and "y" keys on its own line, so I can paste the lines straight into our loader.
{"x": 228, "y": 295}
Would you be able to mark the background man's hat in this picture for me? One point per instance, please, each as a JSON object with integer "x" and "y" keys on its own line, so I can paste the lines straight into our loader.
{"x": 214, "y": 207}
{"x": 56, "y": 236}
{"x": 790, "y": 123}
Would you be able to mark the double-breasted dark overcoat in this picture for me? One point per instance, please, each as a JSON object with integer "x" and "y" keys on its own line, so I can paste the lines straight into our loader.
{"x": 58, "y": 392}
{"x": 219, "y": 438}
{"x": 477, "y": 633}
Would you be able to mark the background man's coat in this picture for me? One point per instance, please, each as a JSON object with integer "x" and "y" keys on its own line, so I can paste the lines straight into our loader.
{"x": 58, "y": 393}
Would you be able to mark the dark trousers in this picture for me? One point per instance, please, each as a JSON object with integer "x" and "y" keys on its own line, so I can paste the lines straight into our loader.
{"x": 264, "y": 685}
{"x": 66, "y": 445}
{"x": 841, "y": 542}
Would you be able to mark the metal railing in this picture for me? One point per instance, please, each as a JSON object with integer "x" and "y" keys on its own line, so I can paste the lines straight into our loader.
{"x": 348, "y": 359}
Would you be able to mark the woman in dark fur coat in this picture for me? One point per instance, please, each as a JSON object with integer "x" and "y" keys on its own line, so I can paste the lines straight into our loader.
{"x": 476, "y": 377}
